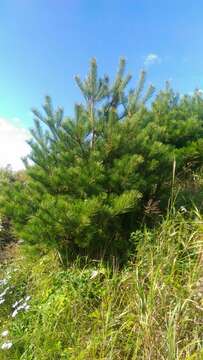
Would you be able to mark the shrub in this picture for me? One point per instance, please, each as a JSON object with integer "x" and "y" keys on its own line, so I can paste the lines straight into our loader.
{"x": 6, "y": 232}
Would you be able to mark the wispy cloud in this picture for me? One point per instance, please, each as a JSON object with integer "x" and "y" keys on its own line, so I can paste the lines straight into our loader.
{"x": 152, "y": 59}
{"x": 13, "y": 144}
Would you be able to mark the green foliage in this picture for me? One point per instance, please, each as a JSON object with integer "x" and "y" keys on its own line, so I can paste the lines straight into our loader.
{"x": 6, "y": 231}
{"x": 148, "y": 310}
{"x": 94, "y": 178}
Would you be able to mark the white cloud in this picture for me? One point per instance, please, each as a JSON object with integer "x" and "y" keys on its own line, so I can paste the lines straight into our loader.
{"x": 199, "y": 92}
{"x": 152, "y": 59}
{"x": 195, "y": 92}
{"x": 13, "y": 144}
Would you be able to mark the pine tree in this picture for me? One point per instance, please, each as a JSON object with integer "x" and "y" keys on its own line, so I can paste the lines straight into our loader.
{"x": 92, "y": 179}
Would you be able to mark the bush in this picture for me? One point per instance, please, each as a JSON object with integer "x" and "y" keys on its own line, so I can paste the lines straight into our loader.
{"x": 6, "y": 232}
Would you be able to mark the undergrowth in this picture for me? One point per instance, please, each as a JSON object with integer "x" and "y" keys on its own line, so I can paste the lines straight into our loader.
{"x": 147, "y": 310}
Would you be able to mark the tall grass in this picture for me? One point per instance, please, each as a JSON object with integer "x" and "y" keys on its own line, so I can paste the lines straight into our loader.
{"x": 147, "y": 310}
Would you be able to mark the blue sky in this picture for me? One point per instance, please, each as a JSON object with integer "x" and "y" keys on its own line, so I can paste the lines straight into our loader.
{"x": 43, "y": 43}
